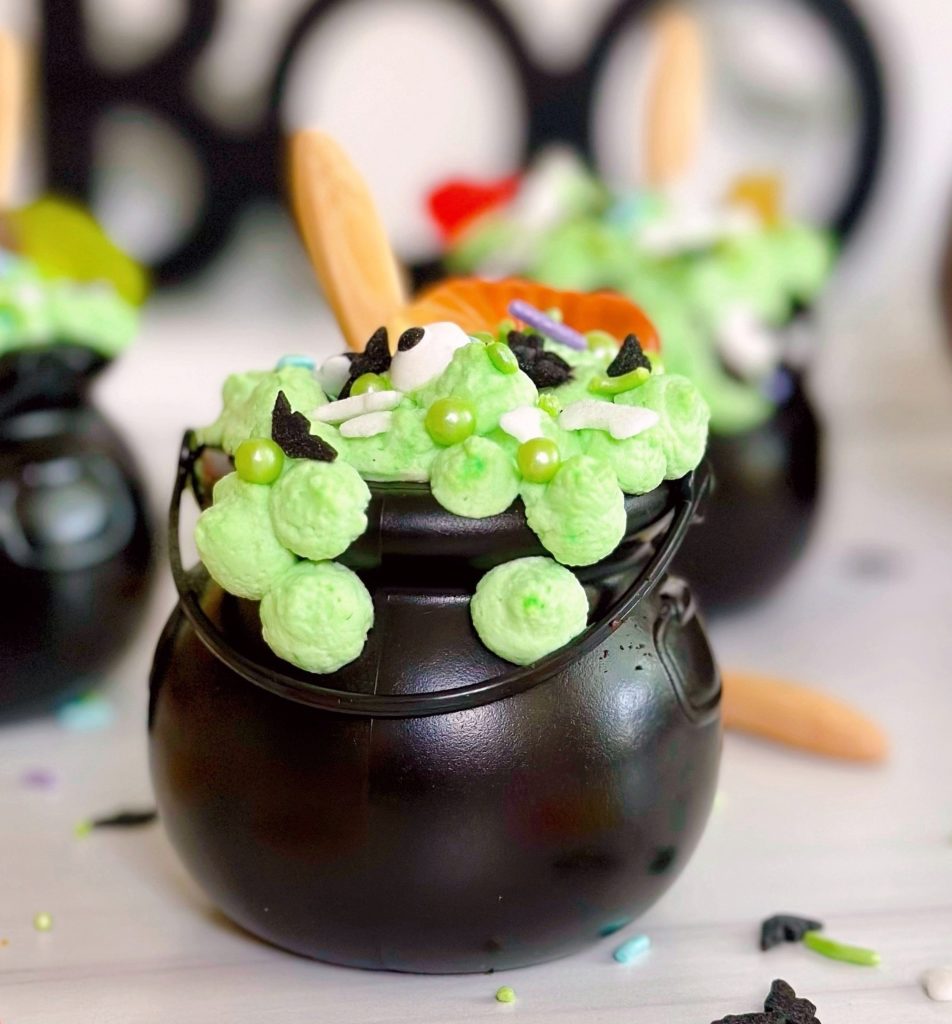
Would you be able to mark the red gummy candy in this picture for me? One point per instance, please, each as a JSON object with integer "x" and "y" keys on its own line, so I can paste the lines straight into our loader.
{"x": 457, "y": 203}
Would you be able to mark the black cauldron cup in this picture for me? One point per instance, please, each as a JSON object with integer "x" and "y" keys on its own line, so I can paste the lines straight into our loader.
{"x": 429, "y": 807}
{"x": 763, "y": 505}
{"x": 75, "y": 549}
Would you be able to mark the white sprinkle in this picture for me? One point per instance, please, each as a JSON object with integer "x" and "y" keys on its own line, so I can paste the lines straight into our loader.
{"x": 694, "y": 227}
{"x": 937, "y": 982}
{"x": 746, "y": 344}
{"x": 357, "y": 405}
{"x": 429, "y": 357}
{"x": 368, "y": 425}
{"x": 333, "y": 374}
{"x": 524, "y": 423}
{"x": 621, "y": 421}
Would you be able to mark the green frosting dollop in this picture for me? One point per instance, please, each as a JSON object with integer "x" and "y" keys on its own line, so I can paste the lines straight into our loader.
{"x": 472, "y": 377}
{"x": 318, "y": 509}
{"x": 681, "y": 432}
{"x": 404, "y": 452}
{"x": 475, "y": 479}
{"x": 317, "y": 616}
{"x": 580, "y": 514}
{"x": 527, "y": 608}
{"x": 236, "y": 541}
{"x": 639, "y": 464}
{"x": 248, "y": 402}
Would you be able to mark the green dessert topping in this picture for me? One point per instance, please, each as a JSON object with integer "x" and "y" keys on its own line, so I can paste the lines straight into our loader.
{"x": 480, "y": 433}
{"x": 474, "y": 479}
{"x": 318, "y": 509}
{"x": 317, "y": 616}
{"x": 450, "y": 420}
{"x": 259, "y": 460}
{"x": 580, "y": 515}
{"x": 527, "y": 608}
{"x": 236, "y": 541}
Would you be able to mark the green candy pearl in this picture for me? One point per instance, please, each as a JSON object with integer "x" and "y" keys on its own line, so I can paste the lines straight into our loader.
{"x": 602, "y": 344}
{"x": 602, "y": 384}
{"x": 450, "y": 421}
{"x": 368, "y": 383}
{"x": 259, "y": 460}
{"x": 502, "y": 357}
{"x": 548, "y": 403}
{"x": 538, "y": 460}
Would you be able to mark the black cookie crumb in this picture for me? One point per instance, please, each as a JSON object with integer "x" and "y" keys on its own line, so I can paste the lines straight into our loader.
{"x": 126, "y": 819}
{"x": 545, "y": 369}
{"x": 520, "y": 339}
{"x": 410, "y": 339}
{"x": 291, "y": 432}
{"x": 782, "y": 999}
{"x": 780, "y": 1007}
{"x": 751, "y": 1018}
{"x": 375, "y": 358}
{"x": 630, "y": 357}
{"x": 785, "y": 928}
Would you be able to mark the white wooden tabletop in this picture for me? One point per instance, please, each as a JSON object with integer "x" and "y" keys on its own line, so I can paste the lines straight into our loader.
{"x": 868, "y": 851}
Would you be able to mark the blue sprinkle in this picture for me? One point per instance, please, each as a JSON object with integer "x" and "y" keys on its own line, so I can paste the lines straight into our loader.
{"x": 293, "y": 360}
{"x": 631, "y": 950}
{"x": 88, "y": 713}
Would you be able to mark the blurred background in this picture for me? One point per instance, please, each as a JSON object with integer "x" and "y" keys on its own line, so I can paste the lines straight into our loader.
{"x": 168, "y": 117}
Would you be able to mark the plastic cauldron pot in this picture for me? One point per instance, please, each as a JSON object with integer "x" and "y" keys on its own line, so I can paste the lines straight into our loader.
{"x": 430, "y": 807}
{"x": 75, "y": 550}
{"x": 761, "y": 510}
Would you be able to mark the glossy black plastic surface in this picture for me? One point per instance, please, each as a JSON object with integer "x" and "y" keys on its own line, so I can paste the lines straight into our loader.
{"x": 431, "y": 808}
{"x": 75, "y": 551}
{"x": 759, "y": 515}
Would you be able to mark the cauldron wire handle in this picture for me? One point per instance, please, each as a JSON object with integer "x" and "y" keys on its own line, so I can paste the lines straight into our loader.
{"x": 692, "y": 491}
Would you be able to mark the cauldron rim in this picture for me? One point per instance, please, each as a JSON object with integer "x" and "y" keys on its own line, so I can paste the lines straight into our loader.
{"x": 298, "y": 686}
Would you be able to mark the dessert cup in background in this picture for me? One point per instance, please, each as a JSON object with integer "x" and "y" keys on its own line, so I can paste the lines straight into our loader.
{"x": 730, "y": 283}
{"x": 75, "y": 550}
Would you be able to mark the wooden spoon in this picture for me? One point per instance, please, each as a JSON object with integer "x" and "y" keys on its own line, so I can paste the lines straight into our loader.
{"x": 344, "y": 236}
{"x": 675, "y": 98}
{"x": 11, "y": 112}
{"x": 787, "y": 713}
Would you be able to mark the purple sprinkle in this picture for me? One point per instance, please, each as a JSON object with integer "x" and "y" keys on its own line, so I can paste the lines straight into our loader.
{"x": 546, "y": 325}
{"x": 38, "y": 778}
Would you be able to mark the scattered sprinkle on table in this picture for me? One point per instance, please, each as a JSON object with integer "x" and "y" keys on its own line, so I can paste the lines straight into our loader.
{"x": 630, "y": 951}
{"x": 937, "y": 982}
{"x": 42, "y": 921}
{"x": 127, "y": 819}
{"x": 840, "y": 951}
{"x": 38, "y": 778}
{"x": 505, "y": 994}
{"x": 786, "y": 928}
{"x": 87, "y": 713}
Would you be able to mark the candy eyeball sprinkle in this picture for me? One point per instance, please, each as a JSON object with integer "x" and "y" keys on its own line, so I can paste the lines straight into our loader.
{"x": 423, "y": 353}
{"x": 334, "y": 374}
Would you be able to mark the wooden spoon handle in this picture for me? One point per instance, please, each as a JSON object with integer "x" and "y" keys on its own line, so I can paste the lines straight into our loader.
{"x": 344, "y": 236}
{"x": 11, "y": 111}
{"x": 799, "y": 717}
{"x": 675, "y": 97}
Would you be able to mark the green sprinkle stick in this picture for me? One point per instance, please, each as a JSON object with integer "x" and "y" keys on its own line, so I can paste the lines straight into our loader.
{"x": 840, "y": 951}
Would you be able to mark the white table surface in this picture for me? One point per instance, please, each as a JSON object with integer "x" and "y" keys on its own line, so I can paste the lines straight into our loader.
{"x": 869, "y": 851}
